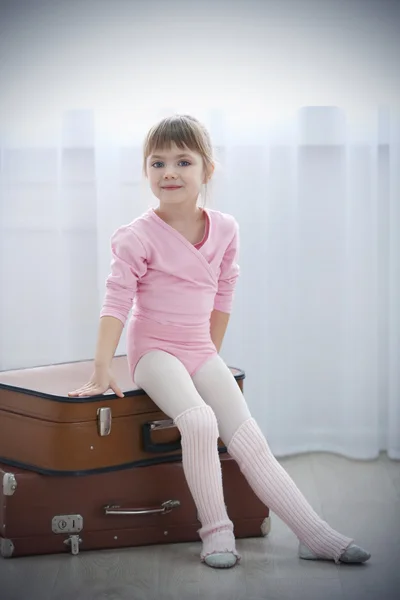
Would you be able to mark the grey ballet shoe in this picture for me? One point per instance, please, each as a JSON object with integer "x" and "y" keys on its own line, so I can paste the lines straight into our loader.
{"x": 353, "y": 554}
{"x": 221, "y": 560}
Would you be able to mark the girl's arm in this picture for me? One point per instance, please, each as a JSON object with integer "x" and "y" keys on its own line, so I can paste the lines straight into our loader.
{"x": 229, "y": 273}
{"x": 218, "y": 324}
{"x": 110, "y": 330}
{"x": 102, "y": 379}
{"x": 226, "y": 286}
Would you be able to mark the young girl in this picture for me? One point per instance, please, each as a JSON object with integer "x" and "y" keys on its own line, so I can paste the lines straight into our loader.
{"x": 177, "y": 266}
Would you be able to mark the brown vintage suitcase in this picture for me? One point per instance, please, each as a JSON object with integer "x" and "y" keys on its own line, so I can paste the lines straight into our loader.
{"x": 41, "y": 514}
{"x": 43, "y": 430}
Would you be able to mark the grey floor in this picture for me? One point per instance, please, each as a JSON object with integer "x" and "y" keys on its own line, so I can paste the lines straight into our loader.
{"x": 361, "y": 499}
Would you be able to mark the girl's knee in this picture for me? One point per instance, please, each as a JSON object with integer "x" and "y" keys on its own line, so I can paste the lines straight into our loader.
{"x": 198, "y": 420}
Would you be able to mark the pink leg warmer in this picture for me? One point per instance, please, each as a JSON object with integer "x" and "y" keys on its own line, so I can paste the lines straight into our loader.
{"x": 202, "y": 468}
{"x": 277, "y": 490}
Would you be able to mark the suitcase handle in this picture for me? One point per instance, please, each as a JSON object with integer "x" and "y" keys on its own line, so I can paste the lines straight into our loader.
{"x": 166, "y": 507}
{"x": 150, "y": 446}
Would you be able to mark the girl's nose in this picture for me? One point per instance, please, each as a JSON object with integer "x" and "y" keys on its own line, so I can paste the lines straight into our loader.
{"x": 169, "y": 174}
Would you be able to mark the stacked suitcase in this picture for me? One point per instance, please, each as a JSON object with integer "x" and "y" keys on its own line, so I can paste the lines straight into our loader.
{"x": 103, "y": 472}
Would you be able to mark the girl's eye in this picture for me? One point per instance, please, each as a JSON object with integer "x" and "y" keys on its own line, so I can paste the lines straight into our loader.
{"x": 159, "y": 164}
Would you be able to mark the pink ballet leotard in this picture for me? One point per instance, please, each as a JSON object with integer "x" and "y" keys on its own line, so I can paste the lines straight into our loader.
{"x": 172, "y": 285}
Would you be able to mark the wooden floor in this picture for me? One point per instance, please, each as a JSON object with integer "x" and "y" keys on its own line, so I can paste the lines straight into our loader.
{"x": 361, "y": 499}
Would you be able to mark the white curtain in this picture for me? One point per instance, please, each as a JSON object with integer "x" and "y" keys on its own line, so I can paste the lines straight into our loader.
{"x": 316, "y": 321}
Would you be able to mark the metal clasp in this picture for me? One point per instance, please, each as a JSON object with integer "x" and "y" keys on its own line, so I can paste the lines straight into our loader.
{"x": 73, "y": 541}
{"x": 67, "y": 524}
{"x": 104, "y": 419}
{"x": 72, "y": 524}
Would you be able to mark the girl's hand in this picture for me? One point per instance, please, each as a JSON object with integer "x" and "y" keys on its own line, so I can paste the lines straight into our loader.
{"x": 101, "y": 381}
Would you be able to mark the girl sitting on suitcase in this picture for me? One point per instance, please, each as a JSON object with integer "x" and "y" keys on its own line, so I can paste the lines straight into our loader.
{"x": 177, "y": 266}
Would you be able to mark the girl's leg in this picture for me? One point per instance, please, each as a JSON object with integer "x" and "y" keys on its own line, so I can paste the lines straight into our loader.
{"x": 247, "y": 445}
{"x": 164, "y": 378}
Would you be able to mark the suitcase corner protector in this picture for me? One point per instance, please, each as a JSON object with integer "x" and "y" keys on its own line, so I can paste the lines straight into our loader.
{"x": 9, "y": 484}
{"x": 6, "y": 548}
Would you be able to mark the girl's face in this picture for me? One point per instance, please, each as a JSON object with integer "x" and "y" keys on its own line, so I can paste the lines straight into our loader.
{"x": 176, "y": 175}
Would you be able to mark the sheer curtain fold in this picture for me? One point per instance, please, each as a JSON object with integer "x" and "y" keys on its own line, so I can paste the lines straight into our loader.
{"x": 316, "y": 323}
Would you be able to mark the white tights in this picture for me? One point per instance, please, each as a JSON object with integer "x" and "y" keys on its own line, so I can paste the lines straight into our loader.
{"x": 164, "y": 378}
{"x": 211, "y": 405}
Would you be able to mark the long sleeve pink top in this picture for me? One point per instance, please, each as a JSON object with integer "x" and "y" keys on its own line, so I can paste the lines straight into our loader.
{"x": 167, "y": 280}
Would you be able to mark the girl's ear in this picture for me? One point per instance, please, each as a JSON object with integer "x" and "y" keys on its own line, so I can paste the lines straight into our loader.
{"x": 208, "y": 172}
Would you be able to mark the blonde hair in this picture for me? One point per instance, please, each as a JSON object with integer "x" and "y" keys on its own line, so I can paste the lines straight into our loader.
{"x": 185, "y": 132}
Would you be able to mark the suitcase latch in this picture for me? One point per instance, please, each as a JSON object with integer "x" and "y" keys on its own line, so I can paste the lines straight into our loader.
{"x": 67, "y": 524}
{"x": 104, "y": 419}
{"x": 73, "y": 541}
{"x": 72, "y": 524}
